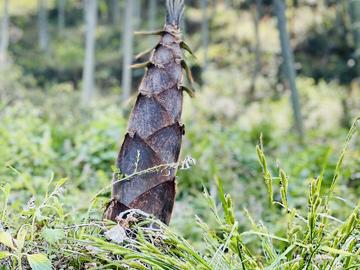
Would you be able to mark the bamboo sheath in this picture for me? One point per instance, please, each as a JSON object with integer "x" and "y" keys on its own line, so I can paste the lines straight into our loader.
{"x": 154, "y": 131}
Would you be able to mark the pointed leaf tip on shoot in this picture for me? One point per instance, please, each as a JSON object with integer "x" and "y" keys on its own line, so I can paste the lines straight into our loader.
{"x": 188, "y": 90}
{"x": 149, "y": 33}
{"x": 187, "y": 70}
{"x": 141, "y": 65}
{"x": 186, "y": 47}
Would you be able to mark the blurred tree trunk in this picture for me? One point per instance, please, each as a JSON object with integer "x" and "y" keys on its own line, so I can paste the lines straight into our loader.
{"x": 91, "y": 11}
{"x": 115, "y": 12}
{"x": 354, "y": 8}
{"x": 151, "y": 19}
{"x": 213, "y": 8}
{"x": 205, "y": 32}
{"x": 152, "y": 14}
{"x": 4, "y": 42}
{"x": 127, "y": 49}
{"x": 257, "y": 67}
{"x": 341, "y": 23}
{"x": 288, "y": 59}
{"x": 43, "y": 25}
{"x": 61, "y": 15}
{"x": 136, "y": 14}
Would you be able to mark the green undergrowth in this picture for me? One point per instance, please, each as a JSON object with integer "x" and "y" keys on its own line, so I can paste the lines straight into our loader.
{"x": 48, "y": 221}
{"x": 56, "y": 162}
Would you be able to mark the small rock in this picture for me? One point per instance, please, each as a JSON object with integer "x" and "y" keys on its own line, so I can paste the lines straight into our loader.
{"x": 116, "y": 234}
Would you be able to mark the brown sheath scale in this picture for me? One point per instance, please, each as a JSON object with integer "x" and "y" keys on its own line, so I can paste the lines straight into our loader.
{"x": 154, "y": 131}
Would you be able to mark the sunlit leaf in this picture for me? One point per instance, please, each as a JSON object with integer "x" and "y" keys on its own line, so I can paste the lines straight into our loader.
{"x": 39, "y": 262}
{"x": 61, "y": 182}
{"x": 6, "y": 239}
{"x": 4, "y": 254}
{"x": 52, "y": 235}
{"x": 20, "y": 238}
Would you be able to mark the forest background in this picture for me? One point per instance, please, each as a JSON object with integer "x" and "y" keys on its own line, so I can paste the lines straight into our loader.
{"x": 280, "y": 75}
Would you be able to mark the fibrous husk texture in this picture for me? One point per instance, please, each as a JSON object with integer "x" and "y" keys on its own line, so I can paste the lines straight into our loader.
{"x": 154, "y": 131}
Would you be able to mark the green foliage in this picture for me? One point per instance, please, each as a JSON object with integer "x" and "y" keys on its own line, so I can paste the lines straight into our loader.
{"x": 241, "y": 230}
{"x": 36, "y": 261}
{"x": 39, "y": 262}
{"x": 287, "y": 206}
{"x": 308, "y": 244}
{"x": 52, "y": 235}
